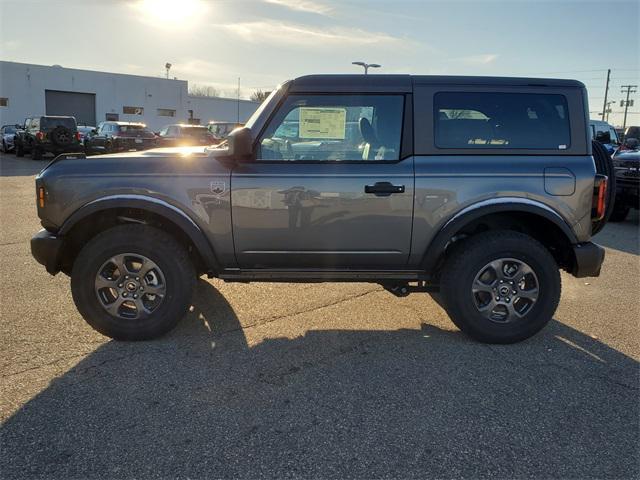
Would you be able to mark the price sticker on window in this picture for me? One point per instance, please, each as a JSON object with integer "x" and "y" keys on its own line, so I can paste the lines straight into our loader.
{"x": 323, "y": 123}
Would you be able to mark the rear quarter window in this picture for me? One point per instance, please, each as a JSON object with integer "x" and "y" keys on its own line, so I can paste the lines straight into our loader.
{"x": 487, "y": 120}
{"x": 69, "y": 122}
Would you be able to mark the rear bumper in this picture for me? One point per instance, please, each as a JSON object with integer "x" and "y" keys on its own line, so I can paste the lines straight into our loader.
{"x": 589, "y": 258}
{"x": 46, "y": 248}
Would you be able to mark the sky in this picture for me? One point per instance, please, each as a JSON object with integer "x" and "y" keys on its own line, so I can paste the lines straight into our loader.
{"x": 264, "y": 42}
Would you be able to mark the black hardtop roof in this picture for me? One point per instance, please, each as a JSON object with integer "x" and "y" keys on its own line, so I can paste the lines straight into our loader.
{"x": 404, "y": 83}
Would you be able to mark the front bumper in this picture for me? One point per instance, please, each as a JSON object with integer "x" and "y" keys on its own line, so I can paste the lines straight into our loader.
{"x": 589, "y": 257}
{"x": 46, "y": 249}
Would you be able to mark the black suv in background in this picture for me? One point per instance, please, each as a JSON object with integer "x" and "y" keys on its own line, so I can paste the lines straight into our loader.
{"x": 112, "y": 137}
{"x": 180, "y": 135}
{"x": 47, "y": 134}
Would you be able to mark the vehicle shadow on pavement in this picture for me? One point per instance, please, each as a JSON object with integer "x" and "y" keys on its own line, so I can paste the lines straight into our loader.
{"x": 203, "y": 403}
{"x": 623, "y": 236}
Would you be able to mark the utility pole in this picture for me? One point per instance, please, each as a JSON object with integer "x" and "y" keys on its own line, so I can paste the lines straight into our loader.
{"x": 606, "y": 92}
{"x": 627, "y": 103}
{"x": 167, "y": 66}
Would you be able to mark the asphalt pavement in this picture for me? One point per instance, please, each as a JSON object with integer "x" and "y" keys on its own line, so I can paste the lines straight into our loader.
{"x": 313, "y": 380}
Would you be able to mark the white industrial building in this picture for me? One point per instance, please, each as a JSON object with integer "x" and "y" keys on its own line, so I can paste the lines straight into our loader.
{"x": 28, "y": 90}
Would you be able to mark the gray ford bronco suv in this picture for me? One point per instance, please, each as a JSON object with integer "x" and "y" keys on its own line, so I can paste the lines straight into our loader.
{"x": 476, "y": 190}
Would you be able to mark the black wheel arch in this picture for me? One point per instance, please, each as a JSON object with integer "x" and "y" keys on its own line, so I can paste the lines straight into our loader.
{"x": 537, "y": 220}
{"x": 103, "y": 213}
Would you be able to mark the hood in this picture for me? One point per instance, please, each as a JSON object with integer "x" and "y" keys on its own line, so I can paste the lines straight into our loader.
{"x": 162, "y": 152}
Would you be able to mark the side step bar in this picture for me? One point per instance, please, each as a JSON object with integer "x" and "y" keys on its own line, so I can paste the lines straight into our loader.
{"x": 290, "y": 275}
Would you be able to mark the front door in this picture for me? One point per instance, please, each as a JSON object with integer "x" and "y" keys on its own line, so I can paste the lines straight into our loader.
{"x": 328, "y": 187}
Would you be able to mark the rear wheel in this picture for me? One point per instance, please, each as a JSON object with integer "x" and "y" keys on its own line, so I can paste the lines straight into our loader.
{"x": 132, "y": 282}
{"x": 500, "y": 287}
{"x": 36, "y": 153}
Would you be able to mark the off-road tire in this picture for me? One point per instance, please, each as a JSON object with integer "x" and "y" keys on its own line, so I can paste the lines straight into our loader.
{"x": 156, "y": 245}
{"x": 466, "y": 261}
{"x": 61, "y": 136}
{"x": 604, "y": 166}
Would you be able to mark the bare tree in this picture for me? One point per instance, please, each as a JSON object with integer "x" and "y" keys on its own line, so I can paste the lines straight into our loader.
{"x": 259, "y": 95}
{"x": 203, "y": 90}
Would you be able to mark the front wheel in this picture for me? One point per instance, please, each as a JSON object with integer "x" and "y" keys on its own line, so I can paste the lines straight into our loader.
{"x": 501, "y": 287}
{"x": 132, "y": 282}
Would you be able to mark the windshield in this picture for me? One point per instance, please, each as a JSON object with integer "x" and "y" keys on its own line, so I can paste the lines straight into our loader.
{"x": 9, "y": 130}
{"x": 195, "y": 131}
{"x": 252, "y": 121}
{"x": 131, "y": 128}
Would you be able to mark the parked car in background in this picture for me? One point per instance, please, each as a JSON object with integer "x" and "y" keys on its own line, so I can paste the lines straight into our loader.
{"x": 605, "y": 134}
{"x": 221, "y": 130}
{"x": 8, "y": 133}
{"x": 112, "y": 137}
{"x": 632, "y": 132}
{"x": 84, "y": 130}
{"x": 627, "y": 165}
{"x": 47, "y": 134}
{"x": 183, "y": 135}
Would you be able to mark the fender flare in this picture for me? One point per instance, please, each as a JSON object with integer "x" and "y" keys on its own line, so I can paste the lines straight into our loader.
{"x": 477, "y": 210}
{"x": 152, "y": 205}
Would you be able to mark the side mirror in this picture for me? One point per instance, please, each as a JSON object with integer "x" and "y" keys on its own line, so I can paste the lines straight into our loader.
{"x": 603, "y": 137}
{"x": 240, "y": 143}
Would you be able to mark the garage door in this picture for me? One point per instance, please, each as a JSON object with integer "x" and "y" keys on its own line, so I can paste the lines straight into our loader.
{"x": 79, "y": 105}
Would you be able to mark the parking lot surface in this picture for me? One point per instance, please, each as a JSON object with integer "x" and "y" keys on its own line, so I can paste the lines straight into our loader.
{"x": 313, "y": 380}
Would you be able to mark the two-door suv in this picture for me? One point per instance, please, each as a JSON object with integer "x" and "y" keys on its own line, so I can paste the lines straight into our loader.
{"x": 47, "y": 134}
{"x": 476, "y": 190}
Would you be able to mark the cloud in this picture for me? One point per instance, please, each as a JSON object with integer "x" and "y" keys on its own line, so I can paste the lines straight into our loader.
{"x": 307, "y": 6}
{"x": 484, "y": 59}
{"x": 291, "y": 34}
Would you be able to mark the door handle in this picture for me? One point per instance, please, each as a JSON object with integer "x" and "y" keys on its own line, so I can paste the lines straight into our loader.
{"x": 383, "y": 189}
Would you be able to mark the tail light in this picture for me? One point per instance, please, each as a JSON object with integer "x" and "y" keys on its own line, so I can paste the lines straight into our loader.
{"x": 41, "y": 197}
{"x": 78, "y": 136}
{"x": 39, "y": 135}
{"x": 599, "y": 203}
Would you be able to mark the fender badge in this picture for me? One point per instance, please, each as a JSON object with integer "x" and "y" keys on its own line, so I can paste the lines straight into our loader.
{"x": 218, "y": 188}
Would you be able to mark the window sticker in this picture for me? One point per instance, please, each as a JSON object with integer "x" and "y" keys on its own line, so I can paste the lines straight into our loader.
{"x": 323, "y": 123}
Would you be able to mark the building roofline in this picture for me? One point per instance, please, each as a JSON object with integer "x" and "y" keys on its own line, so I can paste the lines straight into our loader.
{"x": 92, "y": 71}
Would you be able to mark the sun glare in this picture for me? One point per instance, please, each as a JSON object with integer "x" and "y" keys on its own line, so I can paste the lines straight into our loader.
{"x": 170, "y": 13}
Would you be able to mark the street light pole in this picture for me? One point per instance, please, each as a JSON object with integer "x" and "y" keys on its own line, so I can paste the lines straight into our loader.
{"x": 366, "y": 66}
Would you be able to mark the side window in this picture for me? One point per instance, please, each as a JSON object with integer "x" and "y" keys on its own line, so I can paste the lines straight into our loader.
{"x": 335, "y": 128}
{"x": 163, "y": 132}
{"x": 614, "y": 135}
{"x": 465, "y": 120}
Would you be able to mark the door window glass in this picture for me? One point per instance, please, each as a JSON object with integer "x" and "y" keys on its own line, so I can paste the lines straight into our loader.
{"x": 335, "y": 128}
{"x": 501, "y": 120}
